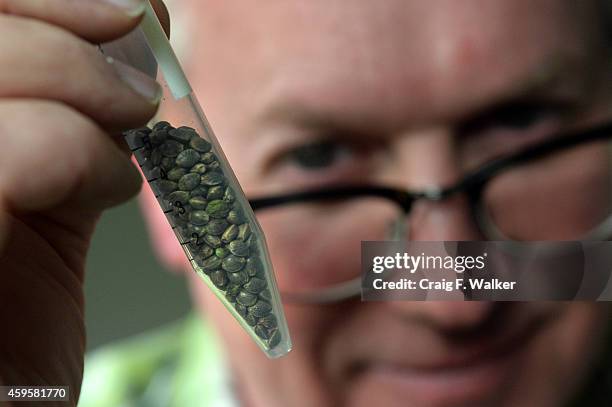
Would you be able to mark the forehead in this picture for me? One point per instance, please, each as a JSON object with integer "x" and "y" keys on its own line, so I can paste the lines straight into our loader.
{"x": 430, "y": 58}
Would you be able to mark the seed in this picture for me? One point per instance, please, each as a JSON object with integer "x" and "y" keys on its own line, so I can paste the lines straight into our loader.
{"x": 260, "y": 309}
{"x": 167, "y": 163}
{"x": 189, "y": 182}
{"x": 176, "y": 173}
{"x": 156, "y": 158}
{"x": 215, "y": 193}
{"x": 221, "y": 252}
{"x": 217, "y": 209}
{"x": 199, "y": 231}
{"x": 187, "y": 158}
{"x": 211, "y": 263}
{"x": 199, "y": 168}
{"x": 202, "y": 253}
{"x": 238, "y": 278}
{"x": 200, "y": 191}
{"x": 230, "y": 234}
{"x": 250, "y": 319}
{"x": 207, "y": 158}
{"x": 166, "y": 187}
{"x": 199, "y": 144}
{"x": 198, "y": 218}
{"x": 213, "y": 241}
{"x": 238, "y": 248}
{"x": 218, "y": 278}
{"x": 246, "y": 299}
{"x": 253, "y": 267}
{"x": 241, "y": 309}
{"x": 233, "y": 264}
{"x": 235, "y": 217}
{"x": 212, "y": 178}
{"x": 262, "y": 331}
{"x": 232, "y": 291}
{"x": 198, "y": 202}
{"x": 265, "y": 294}
{"x": 216, "y": 227}
{"x": 229, "y": 195}
{"x": 161, "y": 125}
{"x": 181, "y": 197}
{"x": 171, "y": 148}
{"x": 269, "y": 321}
{"x": 255, "y": 285}
{"x": 182, "y": 134}
{"x": 274, "y": 339}
{"x": 244, "y": 231}
{"x": 214, "y": 166}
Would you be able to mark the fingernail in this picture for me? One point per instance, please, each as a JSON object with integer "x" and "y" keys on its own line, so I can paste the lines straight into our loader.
{"x": 132, "y": 8}
{"x": 140, "y": 83}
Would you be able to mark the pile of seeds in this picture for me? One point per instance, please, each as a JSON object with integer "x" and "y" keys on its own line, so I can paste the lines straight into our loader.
{"x": 190, "y": 185}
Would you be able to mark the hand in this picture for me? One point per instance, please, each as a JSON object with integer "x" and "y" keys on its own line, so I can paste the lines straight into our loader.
{"x": 62, "y": 106}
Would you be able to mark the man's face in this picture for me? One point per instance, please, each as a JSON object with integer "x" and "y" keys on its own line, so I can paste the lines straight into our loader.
{"x": 310, "y": 93}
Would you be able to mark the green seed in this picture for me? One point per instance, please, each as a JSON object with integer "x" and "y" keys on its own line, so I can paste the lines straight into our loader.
{"x": 228, "y": 196}
{"x": 212, "y": 178}
{"x": 244, "y": 231}
{"x": 198, "y": 218}
{"x": 233, "y": 264}
{"x": 199, "y": 144}
{"x": 232, "y": 291}
{"x": 199, "y": 168}
{"x": 235, "y": 217}
{"x": 199, "y": 231}
{"x": 265, "y": 294}
{"x": 213, "y": 241}
{"x": 218, "y": 278}
{"x": 222, "y": 252}
{"x": 246, "y": 299}
{"x": 200, "y": 191}
{"x": 210, "y": 264}
{"x": 181, "y": 197}
{"x": 208, "y": 158}
{"x": 205, "y": 251}
{"x": 176, "y": 173}
{"x": 215, "y": 193}
{"x": 214, "y": 166}
{"x": 230, "y": 234}
{"x": 216, "y": 227}
{"x": 255, "y": 285}
{"x": 187, "y": 158}
{"x": 171, "y": 148}
{"x": 238, "y": 248}
{"x": 198, "y": 202}
{"x": 217, "y": 209}
{"x": 189, "y": 182}
{"x": 260, "y": 309}
{"x": 238, "y": 278}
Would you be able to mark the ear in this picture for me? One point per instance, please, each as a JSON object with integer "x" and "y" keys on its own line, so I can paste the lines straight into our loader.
{"x": 165, "y": 242}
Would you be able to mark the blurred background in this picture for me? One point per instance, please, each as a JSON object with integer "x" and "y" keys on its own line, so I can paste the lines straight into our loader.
{"x": 127, "y": 291}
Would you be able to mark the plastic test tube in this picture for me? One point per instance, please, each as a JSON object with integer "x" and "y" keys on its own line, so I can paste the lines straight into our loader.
{"x": 213, "y": 221}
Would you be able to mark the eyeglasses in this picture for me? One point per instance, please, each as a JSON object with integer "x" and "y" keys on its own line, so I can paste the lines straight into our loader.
{"x": 559, "y": 189}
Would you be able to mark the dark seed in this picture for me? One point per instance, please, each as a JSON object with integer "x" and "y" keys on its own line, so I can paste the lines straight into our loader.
{"x": 199, "y": 168}
{"x": 156, "y": 158}
{"x": 246, "y": 299}
{"x": 167, "y": 163}
{"x": 235, "y": 217}
{"x": 189, "y": 181}
{"x": 260, "y": 309}
{"x": 200, "y": 191}
{"x": 211, "y": 263}
{"x": 233, "y": 264}
{"x": 207, "y": 158}
{"x": 171, "y": 148}
{"x": 196, "y": 230}
{"x": 253, "y": 267}
{"x": 238, "y": 248}
{"x": 166, "y": 187}
{"x": 241, "y": 309}
{"x": 199, "y": 144}
{"x": 217, "y": 209}
{"x": 230, "y": 234}
{"x": 216, "y": 227}
{"x": 182, "y": 135}
{"x": 218, "y": 278}
{"x": 244, "y": 231}
{"x": 228, "y": 196}
{"x": 187, "y": 158}
{"x": 198, "y": 218}
{"x": 250, "y": 319}
{"x": 213, "y": 241}
{"x": 213, "y": 166}
{"x": 176, "y": 173}
{"x": 274, "y": 339}
{"x": 215, "y": 193}
{"x": 269, "y": 321}
{"x": 262, "y": 331}
{"x": 212, "y": 178}
{"x": 255, "y": 285}
{"x": 238, "y": 278}
{"x": 265, "y": 294}
{"x": 181, "y": 197}
{"x": 198, "y": 203}
{"x": 162, "y": 125}
{"x": 158, "y": 137}
{"x": 203, "y": 252}
{"x": 232, "y": 291}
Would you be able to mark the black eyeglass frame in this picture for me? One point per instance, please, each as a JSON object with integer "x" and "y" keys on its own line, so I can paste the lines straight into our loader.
{"x": 472, "y": 184}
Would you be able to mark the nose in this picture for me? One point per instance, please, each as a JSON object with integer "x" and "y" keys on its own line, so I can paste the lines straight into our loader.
{"x": 450, "y": 219}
